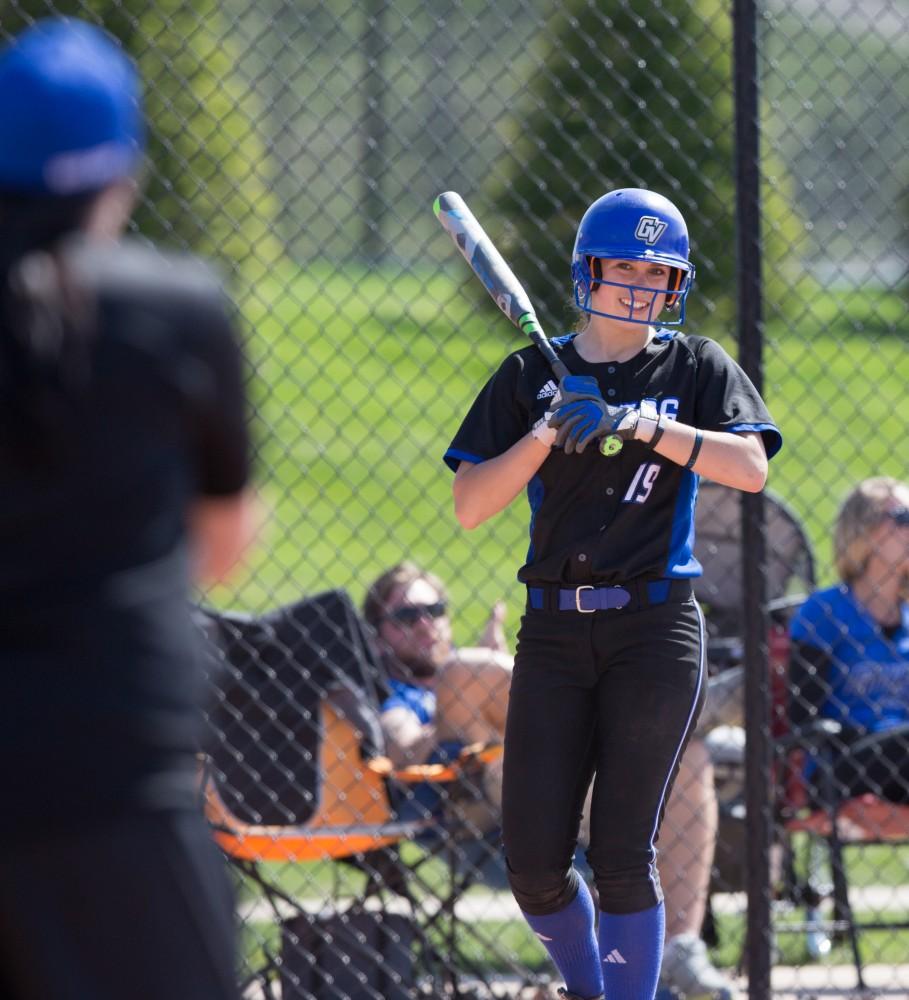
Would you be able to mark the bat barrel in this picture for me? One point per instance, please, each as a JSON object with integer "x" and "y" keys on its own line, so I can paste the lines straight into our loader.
{"x": 508, "y": 293}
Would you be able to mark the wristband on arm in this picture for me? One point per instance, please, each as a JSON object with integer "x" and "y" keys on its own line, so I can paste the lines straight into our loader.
{"x": 657, "y": 434}
{"x": 695, "y": 451}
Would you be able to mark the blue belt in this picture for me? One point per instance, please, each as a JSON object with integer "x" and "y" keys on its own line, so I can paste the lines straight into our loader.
{"x": 587, "y": 598}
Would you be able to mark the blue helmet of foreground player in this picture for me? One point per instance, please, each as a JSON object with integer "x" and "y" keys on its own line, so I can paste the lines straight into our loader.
{"x": 70, "y": 110}
{"x": 633, "y": 224}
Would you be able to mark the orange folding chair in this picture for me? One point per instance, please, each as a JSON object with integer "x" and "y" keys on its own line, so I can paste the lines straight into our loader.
{"x": 294, "y": 773}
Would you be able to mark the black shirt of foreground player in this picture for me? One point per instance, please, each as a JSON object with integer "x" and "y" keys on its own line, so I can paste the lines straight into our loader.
{"x": 98, "y": 663}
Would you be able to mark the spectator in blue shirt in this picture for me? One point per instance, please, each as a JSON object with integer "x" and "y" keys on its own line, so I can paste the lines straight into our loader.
{"x": 850, "y": 655}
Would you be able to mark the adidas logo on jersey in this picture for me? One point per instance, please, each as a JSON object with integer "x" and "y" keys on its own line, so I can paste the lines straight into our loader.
{"x": 550, "y": 389}
{"x": 616, "y": 957}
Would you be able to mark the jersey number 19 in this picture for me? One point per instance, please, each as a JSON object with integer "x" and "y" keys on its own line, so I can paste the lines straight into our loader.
{"x": 642, "y": 484}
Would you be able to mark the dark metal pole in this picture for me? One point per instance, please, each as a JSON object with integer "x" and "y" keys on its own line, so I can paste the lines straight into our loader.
{"x": 758, "y": 757}
{"x": 374, "y": 130}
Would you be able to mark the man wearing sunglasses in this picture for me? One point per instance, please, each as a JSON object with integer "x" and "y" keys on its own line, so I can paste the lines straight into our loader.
{"x": 442, "y": 697}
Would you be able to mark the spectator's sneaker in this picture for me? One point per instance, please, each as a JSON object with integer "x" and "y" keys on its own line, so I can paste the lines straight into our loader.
{"x": 565, "y": 995}
{"x": 688, "y": 972}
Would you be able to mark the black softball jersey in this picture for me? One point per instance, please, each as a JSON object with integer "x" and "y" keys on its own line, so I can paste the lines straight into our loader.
{"x": 598, "y": 520}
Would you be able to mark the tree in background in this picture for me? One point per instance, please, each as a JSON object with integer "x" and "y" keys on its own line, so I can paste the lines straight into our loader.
{"x": 207, "y": 185}
{"x": 841, "y": 122}
{"x": 630, "y": 98}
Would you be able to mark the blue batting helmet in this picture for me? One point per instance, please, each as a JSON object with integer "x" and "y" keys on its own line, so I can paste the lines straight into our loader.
{"x": 70, "y": 110}
{"x": 632, "y": 224}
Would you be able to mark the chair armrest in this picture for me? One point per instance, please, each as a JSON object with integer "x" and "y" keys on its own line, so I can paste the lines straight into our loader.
{"x": 815, "y": 736}
{"x": 870, "y": 739}
{"x": 472, "y": 756}
{"x": 786, "y": 603}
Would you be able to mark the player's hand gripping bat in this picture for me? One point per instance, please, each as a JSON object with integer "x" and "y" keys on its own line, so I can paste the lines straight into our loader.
{"x": 507, "y": 292}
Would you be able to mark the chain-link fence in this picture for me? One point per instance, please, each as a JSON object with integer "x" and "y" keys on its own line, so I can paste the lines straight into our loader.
{"x": 301, "y": 144}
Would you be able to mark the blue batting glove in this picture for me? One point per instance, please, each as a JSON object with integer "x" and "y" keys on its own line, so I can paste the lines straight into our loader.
{"x": 580, "y": 421}
{"x": 574, "y": 387}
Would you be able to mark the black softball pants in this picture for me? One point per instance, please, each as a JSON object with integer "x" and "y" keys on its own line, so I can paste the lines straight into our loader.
{"x": 616, "y": 694}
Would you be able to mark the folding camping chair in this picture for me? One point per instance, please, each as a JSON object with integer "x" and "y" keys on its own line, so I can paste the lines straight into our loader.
{"x": 288, "y": 774}
{"x": 830, "y": 817}
{"x": 294, "y": 773}
{"x": 720, "y": 588}
{"x": 718, "y": 546}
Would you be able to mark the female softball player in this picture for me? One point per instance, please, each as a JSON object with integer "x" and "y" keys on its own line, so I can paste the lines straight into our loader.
{"x": 124, "y": 457}
{"x": 609, "y": 672}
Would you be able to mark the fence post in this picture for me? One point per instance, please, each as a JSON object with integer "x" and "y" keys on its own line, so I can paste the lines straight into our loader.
{"x": 750, "y": 334}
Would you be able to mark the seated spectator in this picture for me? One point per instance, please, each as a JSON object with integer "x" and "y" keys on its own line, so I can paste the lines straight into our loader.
{"x": 850, "y": 647}
{"x": 442, "y": 697}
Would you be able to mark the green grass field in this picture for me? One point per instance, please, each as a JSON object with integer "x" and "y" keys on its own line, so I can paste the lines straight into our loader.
{"x": 361, "y": 380}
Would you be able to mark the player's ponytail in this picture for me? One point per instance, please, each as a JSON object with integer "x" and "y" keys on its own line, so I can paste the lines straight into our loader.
{"x": 44, "y": 324}
{"x": 71, "y": 126}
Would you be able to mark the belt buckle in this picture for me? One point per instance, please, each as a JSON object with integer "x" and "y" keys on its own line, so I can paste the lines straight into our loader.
{"x": 577, "y": 598}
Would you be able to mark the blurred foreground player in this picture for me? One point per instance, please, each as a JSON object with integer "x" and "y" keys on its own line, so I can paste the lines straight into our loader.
{"x": 124, "y": 459}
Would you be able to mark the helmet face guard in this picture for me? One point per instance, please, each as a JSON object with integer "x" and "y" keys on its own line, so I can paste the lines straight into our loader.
{"x": 633, "y": 224}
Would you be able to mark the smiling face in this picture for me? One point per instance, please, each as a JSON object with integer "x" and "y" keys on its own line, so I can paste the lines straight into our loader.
{"x": 416, "y": 627}
{"x": 632, "y": 289}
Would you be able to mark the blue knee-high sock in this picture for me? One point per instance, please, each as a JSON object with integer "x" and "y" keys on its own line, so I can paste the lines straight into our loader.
{"x": 631, "y": 950}
{"x": 570, "y": 938}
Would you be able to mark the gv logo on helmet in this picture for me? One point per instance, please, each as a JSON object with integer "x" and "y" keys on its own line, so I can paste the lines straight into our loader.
{"x": 650, "y": 229}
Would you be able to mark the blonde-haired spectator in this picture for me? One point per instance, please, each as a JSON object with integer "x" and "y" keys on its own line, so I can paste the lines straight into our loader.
{"x": 850, "y": 654}
{"x": 862, "y": 524}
